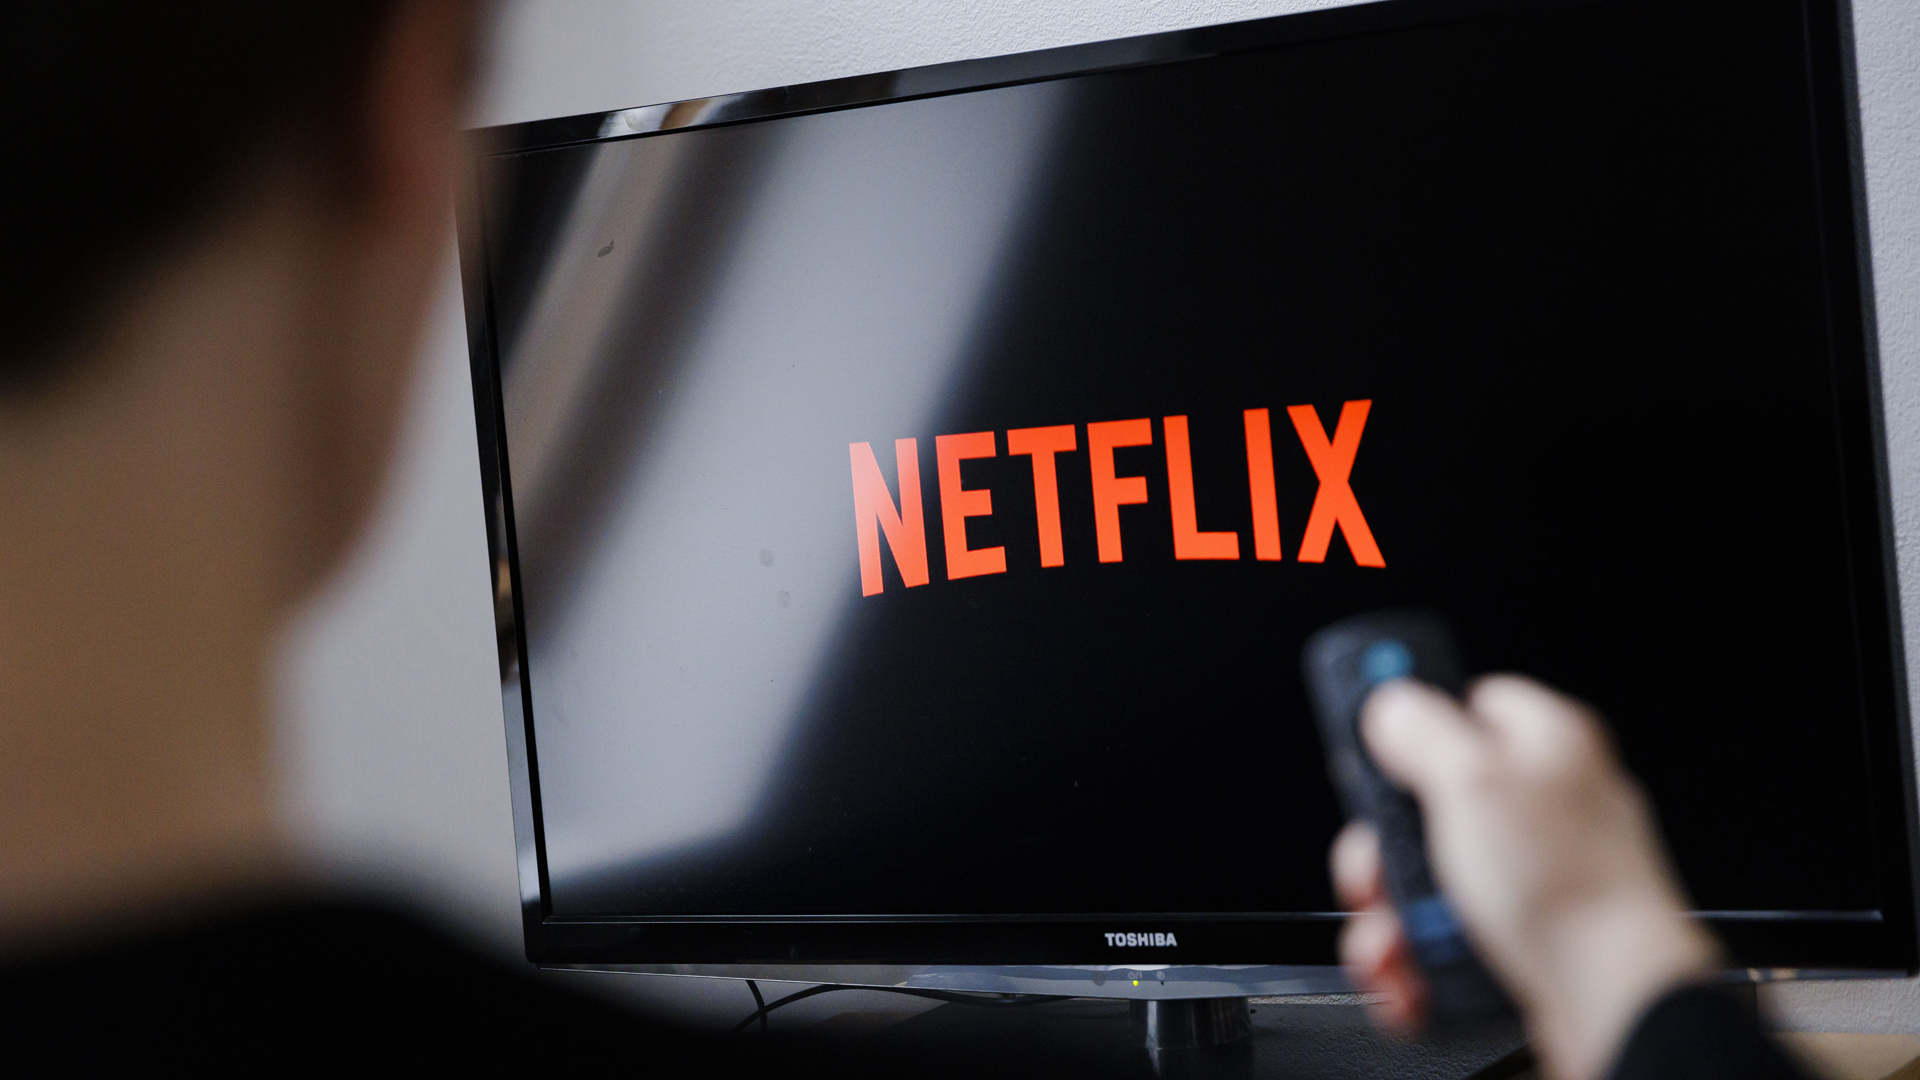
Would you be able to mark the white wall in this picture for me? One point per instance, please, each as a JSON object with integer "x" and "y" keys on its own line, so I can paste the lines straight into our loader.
{"x": 393, "y": 742}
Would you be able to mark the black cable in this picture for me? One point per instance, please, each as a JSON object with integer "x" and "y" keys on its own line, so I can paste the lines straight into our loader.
{"x": 952, "y": 997}
{"x": 761, "y": 1002}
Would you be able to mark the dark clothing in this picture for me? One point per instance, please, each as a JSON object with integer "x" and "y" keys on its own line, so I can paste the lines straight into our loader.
{"x": 336, "y": 987}
{"x": 1699, "y": 1033}
{"x": 310, "y": 988}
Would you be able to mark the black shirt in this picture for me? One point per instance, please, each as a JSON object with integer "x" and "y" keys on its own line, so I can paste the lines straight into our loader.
{"x": 1700, "y": 1033}
{"x": 313, "y": 987}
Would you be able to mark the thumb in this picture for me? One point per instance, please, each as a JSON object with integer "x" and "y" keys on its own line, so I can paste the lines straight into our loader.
{"x": 1421, "y": 738}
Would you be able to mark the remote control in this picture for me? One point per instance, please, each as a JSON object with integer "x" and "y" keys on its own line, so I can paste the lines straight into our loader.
{"x": 1343, "y": 663}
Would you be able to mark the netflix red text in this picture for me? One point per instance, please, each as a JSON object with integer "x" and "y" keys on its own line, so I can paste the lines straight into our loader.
{"x": 900, "y": 518}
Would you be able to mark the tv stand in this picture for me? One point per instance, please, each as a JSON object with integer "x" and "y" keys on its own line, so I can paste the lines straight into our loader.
{"x": 1327, "y": 1037}
{"x": 1189, "y": 1022}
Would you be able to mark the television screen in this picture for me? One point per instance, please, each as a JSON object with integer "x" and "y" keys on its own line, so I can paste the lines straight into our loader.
{"x": 911, "y": 494}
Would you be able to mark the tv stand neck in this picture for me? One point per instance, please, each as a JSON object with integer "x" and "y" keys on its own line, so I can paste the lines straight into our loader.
{"x": 1188, "y": 1022}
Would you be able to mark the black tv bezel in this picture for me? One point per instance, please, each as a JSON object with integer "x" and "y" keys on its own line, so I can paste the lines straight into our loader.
{"x": 1845, "y": 942}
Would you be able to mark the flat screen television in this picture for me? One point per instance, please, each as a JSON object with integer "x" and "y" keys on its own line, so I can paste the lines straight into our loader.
{"x": 909, "y": 494}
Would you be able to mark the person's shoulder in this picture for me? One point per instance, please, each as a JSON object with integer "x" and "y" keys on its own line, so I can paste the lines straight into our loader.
{"x": 308, "y": 985}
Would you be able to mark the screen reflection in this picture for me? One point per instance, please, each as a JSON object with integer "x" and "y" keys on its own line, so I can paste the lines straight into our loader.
{"x": 705, "y": 302}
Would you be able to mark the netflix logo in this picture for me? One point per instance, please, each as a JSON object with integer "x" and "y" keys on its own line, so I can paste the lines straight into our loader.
{"x": 878, "y": 512}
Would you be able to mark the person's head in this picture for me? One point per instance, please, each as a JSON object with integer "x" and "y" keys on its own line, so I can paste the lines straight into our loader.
{"x": 147, "y": 141}
{"x": 223, "y": 226}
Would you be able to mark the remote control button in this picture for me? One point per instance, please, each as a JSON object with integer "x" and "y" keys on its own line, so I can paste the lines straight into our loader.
{"x": 1433, "y": 931}
{"x": 1385, "y": 661}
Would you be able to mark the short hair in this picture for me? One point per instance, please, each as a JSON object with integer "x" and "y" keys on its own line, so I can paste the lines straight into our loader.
{"x": 124, "y": 122}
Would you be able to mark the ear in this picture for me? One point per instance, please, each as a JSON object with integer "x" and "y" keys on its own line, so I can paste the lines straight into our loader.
{"x": 416, "y": 98}
{"x": 386, "y": 243}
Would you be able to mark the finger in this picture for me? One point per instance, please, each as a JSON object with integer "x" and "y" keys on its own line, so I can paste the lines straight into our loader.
{"x": 1421, "y": 738}
{"x": 1377, "y": 959}
{"x": 1358, "y": 878}
{"x": 1402, "y": 1006}
{"x": 1371, "y": 945}
{"x": 1536, "y": 723}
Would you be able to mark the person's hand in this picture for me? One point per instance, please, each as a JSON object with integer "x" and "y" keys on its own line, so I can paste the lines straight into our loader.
{"x": 1549, "y": 854}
